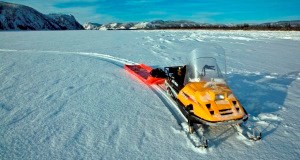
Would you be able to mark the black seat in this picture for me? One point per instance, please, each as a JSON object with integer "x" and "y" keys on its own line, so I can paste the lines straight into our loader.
{"x": 180, "y": 76}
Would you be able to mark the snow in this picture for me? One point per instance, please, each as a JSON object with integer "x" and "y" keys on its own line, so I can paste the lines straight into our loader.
{"x": 65, "y": 95}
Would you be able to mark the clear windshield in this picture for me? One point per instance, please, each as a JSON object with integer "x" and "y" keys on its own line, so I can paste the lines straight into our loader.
{"x": 206, "y": 63}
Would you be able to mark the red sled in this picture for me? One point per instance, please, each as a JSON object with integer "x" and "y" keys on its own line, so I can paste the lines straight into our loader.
{"x": 142, "y": 72}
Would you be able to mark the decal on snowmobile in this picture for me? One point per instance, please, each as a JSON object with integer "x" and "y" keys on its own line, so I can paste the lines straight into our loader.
{"x": 191, "y": 98}
{"x": 174, "y": 82}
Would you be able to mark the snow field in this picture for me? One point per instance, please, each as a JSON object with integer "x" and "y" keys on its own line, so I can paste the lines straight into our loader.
{"x": 65, "y": 95}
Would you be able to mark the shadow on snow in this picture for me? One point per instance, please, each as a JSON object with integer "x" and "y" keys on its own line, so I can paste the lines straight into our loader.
{"x": 262, "y": 94}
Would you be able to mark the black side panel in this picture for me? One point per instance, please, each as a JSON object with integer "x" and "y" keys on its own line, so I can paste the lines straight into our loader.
{"x": 175, "y": 76}
{"x": 158, "y": 73}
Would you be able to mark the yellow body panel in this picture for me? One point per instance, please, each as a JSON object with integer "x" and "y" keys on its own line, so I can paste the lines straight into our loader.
{"x": 211, "y": 101}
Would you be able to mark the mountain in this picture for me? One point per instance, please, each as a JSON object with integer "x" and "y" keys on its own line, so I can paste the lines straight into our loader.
{"x": 158, "y": 24}
{"x": 66, "y": 21}
{"x": 20, "y": 17}
{"x": 92, "y": 26}
{"x": 294, "y": 23}
{"x": 118, "y": 26}
{"x": 183, "y": 24}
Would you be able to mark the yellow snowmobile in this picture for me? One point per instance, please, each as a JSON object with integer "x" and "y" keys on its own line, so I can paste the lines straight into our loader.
{"x": 202, "y": 93}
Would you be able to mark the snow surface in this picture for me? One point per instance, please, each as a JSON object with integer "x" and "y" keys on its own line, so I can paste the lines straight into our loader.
{"x": 65, "y": 95}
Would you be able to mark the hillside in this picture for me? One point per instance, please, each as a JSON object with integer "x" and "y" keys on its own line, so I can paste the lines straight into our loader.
{"x": 20, "y": 17}
{"x": 183, "y": 24}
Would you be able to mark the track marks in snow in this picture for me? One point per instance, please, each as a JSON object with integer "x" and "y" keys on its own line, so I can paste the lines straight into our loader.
{"x": 80, "y": 136}
{"x": 77, "y": 142}
{"x": 144, "y": 139}
{"x": 114, "y": 135}
{"x": 268, "y": 122}
{"x": 5, "y": 107}
{"x": 269, "y": 117}
{"x": 7, "y": 70}
{"x": 58, "y": 109}
{"x": 20, "y": 116}
{"x": 54, "y": 96}
{"x": 159, "y": 45}
{"x": 90, "y": 54}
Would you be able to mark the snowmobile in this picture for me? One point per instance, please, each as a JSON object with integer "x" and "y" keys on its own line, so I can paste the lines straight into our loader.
{"x": 201, "y": 93}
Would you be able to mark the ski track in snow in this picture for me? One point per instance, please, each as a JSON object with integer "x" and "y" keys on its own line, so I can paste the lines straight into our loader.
{"x": 120, "y": 62}
{"x": 91, "y": 54}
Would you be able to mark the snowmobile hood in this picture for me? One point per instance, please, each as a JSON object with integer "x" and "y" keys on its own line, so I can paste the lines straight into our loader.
{"x": 212, "y": 102}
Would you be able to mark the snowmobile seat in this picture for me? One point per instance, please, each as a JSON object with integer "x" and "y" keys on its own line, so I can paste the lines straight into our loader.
{"x": 158, "y": 73}
{"x": 179, "y": 77}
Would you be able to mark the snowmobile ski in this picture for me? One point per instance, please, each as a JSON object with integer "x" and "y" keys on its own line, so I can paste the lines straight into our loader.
{"x": 250, "y": 133}
{"x": 196, "y": 137}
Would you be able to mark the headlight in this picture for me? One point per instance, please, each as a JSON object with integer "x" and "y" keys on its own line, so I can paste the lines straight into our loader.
{"x": 220, "y": 97}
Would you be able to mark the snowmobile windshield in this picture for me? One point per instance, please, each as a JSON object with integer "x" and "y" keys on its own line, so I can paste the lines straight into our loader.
{"x": 206, "y": 64}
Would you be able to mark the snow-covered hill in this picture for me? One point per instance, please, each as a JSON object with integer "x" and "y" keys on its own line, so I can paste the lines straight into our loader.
{"x": 295, "y": 23}
{"x": 20, "y": 17}
{"x": 158, "y": 24}
{"x": 66, "y": 22}
{"x": 183, "y": 24}
{"x": 91, "y": 26}
{"x": 73, "y": 100}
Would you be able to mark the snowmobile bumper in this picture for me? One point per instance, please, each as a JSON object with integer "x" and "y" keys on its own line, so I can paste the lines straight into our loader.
{"x": 196, "y": 119}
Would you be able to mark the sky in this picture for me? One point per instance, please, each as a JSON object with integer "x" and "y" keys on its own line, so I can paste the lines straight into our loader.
{"x": 203, "y": 11}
